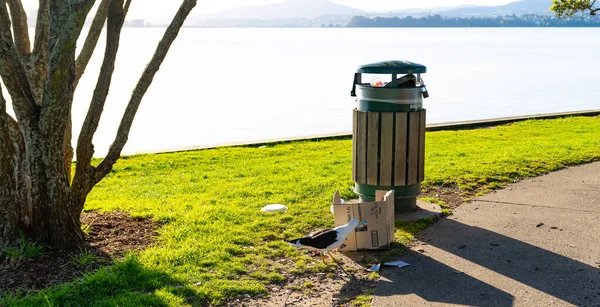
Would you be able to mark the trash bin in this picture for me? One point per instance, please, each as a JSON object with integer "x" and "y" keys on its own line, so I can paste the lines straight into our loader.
{"x": 388, "y": 147}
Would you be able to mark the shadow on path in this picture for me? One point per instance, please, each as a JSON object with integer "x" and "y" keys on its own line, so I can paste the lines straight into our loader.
{"x": 570, "y": 280}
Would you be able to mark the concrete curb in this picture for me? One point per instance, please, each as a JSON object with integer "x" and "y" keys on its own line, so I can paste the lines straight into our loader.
{"x": 432, "y": 127}
{"x": 505, "y": 120}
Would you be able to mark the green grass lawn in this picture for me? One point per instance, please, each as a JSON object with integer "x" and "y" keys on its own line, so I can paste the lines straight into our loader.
{"x": 215, "y": 243}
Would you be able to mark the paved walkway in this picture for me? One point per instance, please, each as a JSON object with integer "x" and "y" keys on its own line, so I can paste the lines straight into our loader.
{"x": 535, "y": 243}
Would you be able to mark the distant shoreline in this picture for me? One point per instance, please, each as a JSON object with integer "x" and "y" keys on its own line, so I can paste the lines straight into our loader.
{"x": 366, "y": 27}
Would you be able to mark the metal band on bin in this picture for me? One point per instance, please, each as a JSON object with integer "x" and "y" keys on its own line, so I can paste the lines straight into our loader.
{"x": 400, "y": 191}
{"x": 381, "y": 99}
{"x": 376, "y": 106}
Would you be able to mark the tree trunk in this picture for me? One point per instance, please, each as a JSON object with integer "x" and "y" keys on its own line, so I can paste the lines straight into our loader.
{"x": 54, "y": 220}
{"x": 36, "y": 195}
{"x": 9, "y": 212}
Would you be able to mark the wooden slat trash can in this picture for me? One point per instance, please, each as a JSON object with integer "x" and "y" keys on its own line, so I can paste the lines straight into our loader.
{"x": 388, "y": 150}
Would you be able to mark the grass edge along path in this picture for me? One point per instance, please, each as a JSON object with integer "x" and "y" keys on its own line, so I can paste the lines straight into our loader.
{"x": 216, "y": 244}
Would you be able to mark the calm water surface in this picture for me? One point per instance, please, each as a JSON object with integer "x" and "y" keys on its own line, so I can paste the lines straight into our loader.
{"x": 236, "y": 85}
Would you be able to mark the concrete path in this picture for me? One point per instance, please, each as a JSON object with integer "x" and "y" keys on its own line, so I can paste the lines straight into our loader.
{"x": 535, "y": 243}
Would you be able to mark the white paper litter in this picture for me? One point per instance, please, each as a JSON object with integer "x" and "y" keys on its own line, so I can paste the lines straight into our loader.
{"x": 274, "y": 208}
{"x": 374, "y": 268}
{"x": 397, "y": 263}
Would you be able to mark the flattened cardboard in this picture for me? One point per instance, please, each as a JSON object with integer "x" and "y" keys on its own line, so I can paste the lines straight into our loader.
{"x": 378, "y": 232}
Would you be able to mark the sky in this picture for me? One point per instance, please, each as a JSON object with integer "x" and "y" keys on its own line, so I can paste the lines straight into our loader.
{"x": 164, "y": 9}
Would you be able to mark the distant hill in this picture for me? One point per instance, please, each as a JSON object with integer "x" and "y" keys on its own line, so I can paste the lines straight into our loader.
{"x": 540, "y": 7}
{"x": 315, "y": 13}
{"x": 290, "y": 9}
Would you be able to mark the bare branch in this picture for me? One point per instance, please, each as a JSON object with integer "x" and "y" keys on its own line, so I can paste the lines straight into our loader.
{"x": 19, "y": 20}
{"x": 12, "y": 70}
{"x": 66, "y": 23}
{"x": 592, "y": 9}
{"x": 91, "y": 40}
{"x": 142, "y": 86}
{"x": 85, "y": 148}
{"x": 38, "y": 62}
{"x": 80, "y": 64}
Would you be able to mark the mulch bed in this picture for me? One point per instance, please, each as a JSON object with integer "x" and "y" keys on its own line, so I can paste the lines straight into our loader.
{"x": 115, "y": 233}
{"x": 112, "y": 234}
{"x": 453, "y": 196}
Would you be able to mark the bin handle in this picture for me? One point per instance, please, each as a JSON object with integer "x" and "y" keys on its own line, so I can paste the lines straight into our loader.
{"x": 356, "y": 80}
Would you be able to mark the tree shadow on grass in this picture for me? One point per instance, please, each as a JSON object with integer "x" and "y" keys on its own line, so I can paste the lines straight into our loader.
{"x": 126, "y": 283}
{"x": 90, "y": 277}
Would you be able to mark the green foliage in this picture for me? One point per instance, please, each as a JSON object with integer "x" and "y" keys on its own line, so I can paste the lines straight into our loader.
{"x": 86, "y": 258}
{"x": 374, "y": 276}
{"x": 568, "y": 8}
{"x": 407, "y": 230}
{"x": 215, "y": 242}
{"x": 445, "y": 208}
{"x": 364, "y": 300}
{"x": 26, "y": 249}
{"x": 127, "y": 283}
{"x": 87, "y": 228}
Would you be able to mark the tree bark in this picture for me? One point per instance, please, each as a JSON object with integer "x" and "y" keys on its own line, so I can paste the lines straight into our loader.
{"x": 19, "y": 19}
{"x": 55, "y": 221}
{"x": 13, "y": 71}
{"x": 9, "y": 213}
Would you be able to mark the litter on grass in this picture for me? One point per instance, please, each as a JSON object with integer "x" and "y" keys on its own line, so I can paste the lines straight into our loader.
{"x": 397, "y": 263}
{"x": 274, "y": 208}
{"x": 374, "y": 268}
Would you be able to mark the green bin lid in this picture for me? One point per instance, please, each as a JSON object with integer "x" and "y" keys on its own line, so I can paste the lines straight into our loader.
{"x": 392, "y": 67}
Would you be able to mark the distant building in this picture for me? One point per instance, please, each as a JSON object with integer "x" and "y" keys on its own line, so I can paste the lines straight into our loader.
{"x": 137, "y": 23}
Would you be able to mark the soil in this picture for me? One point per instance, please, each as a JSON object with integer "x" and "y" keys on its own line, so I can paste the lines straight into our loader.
{"x": 350, "y": 279}
{"x": 111, "y": 235}
{"x": 451, "y": 195}
{"x": 339, "y": 287}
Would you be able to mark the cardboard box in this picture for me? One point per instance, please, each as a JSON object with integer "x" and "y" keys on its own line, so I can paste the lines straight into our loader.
{"x": 378, "y": 232}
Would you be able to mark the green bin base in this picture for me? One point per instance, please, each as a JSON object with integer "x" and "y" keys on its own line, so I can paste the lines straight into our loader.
{"x": 405, "y": 200}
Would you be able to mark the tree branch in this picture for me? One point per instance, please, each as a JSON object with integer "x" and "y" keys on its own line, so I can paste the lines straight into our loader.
{"x": 19, "y": 20}
{"x": 67, "y": 20}
{"x": 38, "y": 62}
{"x": 568, "y": 8}
{"x": 80, "y": 64}
{"x": 91, "y": 40}
{"x": 12, "y": 70}
{"x": 142, "y": 86}
{"x": 85, "y": 148}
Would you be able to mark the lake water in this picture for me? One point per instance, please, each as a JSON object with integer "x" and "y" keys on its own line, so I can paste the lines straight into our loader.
{"x": 237, "y": 85}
